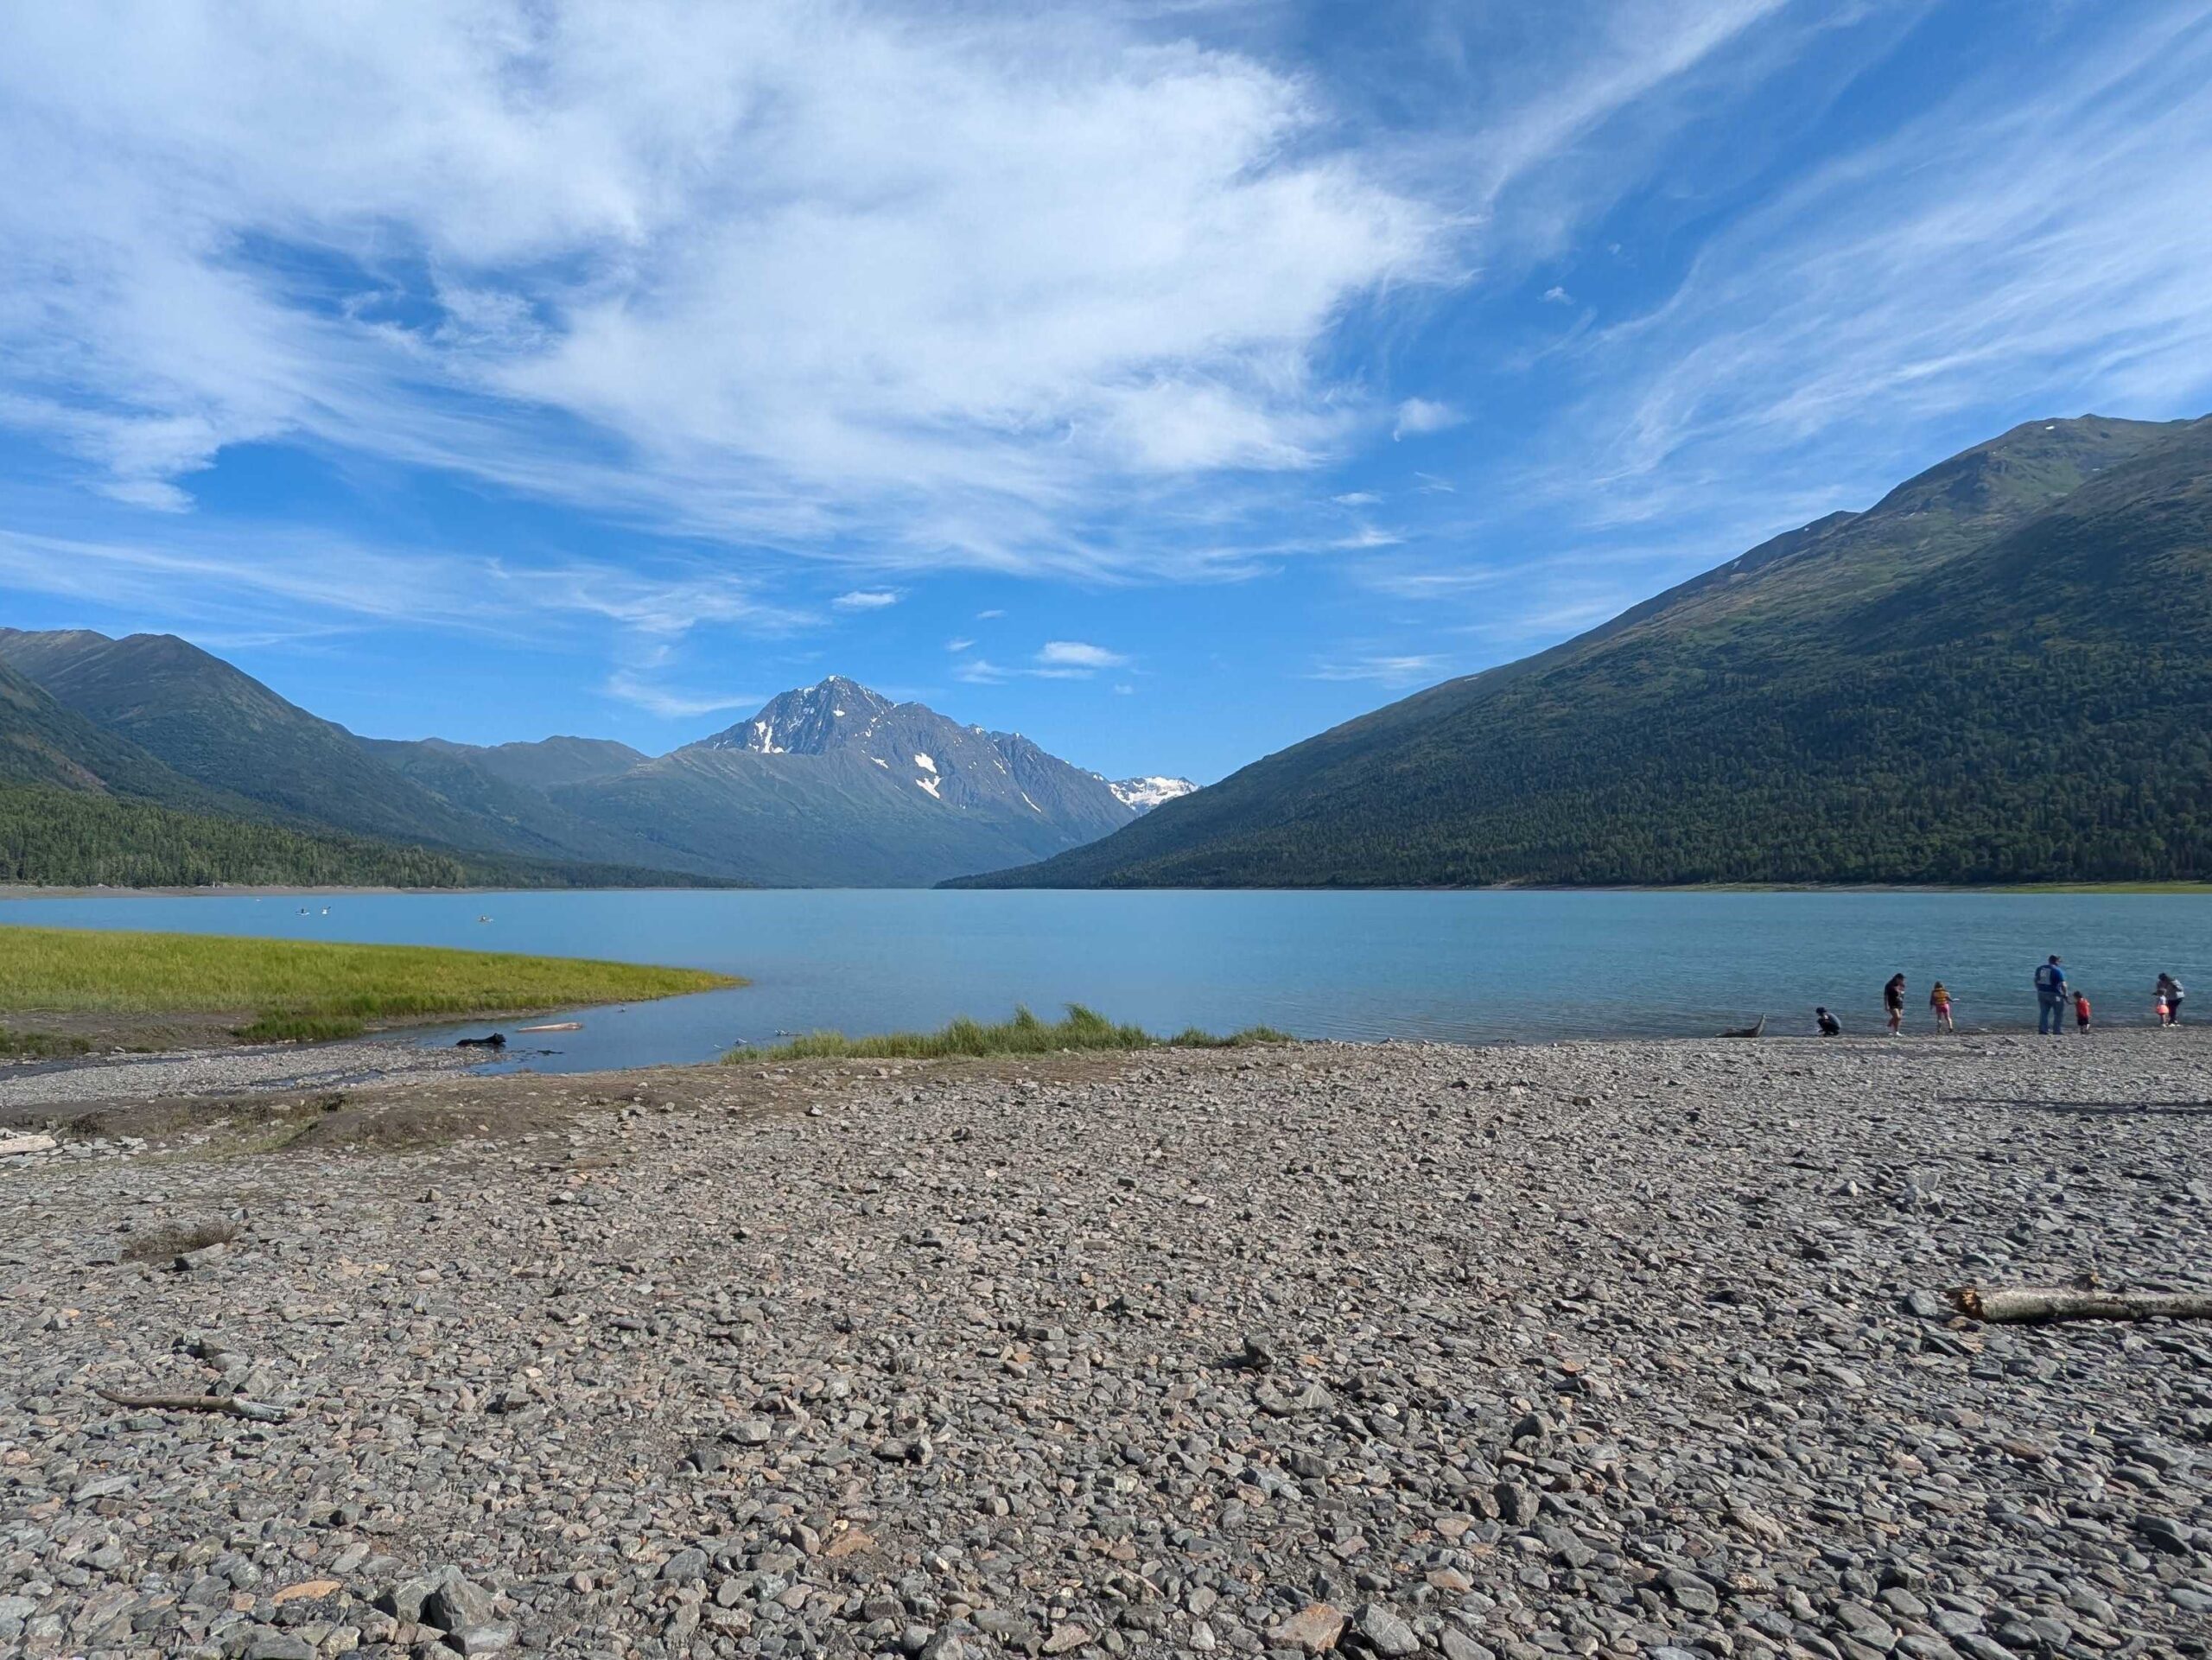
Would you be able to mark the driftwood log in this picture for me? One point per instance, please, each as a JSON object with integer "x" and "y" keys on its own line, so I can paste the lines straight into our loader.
{"x": 234, "y": 1406}
{"x": 2047, "y": 1305}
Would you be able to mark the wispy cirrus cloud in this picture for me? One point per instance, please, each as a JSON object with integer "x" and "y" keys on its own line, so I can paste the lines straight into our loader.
{"x": 866, "y": 599}
{"x": 640, "y": 693}
{"x": 858, "y": 281}
{"x": 1057, "y": 659}
{"x": 790, "y": 272}
{"x": 308, "y": 581}
{"x": 1393, "y": 670}
{"x": 1966, "y": 260}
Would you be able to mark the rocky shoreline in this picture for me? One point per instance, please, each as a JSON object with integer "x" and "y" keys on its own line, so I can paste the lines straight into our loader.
{"x": 26, "y": 1087}
{"x": 1501, "y": 1354}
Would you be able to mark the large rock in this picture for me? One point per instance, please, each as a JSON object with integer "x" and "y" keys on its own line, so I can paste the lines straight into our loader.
{"x": 1315, "y": 1628}
{"x": 1380, "y": 1629}
{"x": 458, "y": 1605}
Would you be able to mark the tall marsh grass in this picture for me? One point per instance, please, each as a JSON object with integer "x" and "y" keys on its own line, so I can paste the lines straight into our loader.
{"x": 1025, "y": 1034}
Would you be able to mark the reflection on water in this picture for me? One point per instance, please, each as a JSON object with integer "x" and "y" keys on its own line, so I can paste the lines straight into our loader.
{"x": 1478, "y": 967}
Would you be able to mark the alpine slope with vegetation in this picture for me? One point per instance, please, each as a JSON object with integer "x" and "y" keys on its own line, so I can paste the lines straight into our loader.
{"x": 2000, "y": 673}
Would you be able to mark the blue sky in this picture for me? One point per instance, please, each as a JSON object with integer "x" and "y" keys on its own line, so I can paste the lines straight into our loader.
{"x": 1168, "y": 381}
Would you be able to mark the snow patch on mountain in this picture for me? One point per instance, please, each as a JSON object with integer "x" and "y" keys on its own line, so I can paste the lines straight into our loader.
{"x": 1143, "y": 794}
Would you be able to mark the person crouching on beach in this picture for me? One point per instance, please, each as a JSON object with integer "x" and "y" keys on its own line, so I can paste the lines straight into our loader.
{"x": 1939, "y": 999}
{"x": 1829, "y": 1025}
{"x": 2081, "y": 1011}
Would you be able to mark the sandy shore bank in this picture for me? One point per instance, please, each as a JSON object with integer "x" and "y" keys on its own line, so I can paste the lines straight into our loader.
{"x": 1611, "y": 1349}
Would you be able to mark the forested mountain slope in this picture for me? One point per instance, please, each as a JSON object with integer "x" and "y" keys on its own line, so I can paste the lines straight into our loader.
{"x": 272, "y": 795}
{"x": 2000, "y": 672}
{"x": 223, "y": 729}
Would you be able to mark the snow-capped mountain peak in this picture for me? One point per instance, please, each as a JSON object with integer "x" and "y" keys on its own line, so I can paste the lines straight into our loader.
{"x": 808, "y": 722}
{"x": 1142, "y": 794}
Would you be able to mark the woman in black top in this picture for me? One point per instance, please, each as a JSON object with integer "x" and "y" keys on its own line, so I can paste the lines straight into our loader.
{"x": 2170, "y": 988}
{"x": 1893, "y": 1000}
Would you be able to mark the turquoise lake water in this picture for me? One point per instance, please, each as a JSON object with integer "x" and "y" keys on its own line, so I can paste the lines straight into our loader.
{"x": 1470, "y": 967}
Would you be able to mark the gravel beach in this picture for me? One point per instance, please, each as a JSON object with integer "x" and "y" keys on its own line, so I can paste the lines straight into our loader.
{"x": 1503, "y": 1354}
{"x": 209, "y": 1072}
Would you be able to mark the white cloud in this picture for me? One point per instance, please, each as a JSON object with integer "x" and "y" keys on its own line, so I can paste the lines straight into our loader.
{"x": 1556, "y": 296}
{"x": 1402, "y": 669}
{"x": 1419, "y": 415}
{"x": 866, "y": 599}
{"x": 293, "y": 582}
{"x": 787, "y": 272}
{"x": 1057, "y": 659}
{"x": 671, "y": 705}
{"x": 959, "y": 645}
{"x": 1123, "y": 688}
{"x": 1357, "y": 499}
{"x": 1077, "y": 655}
{"x": 1368, "y": 537}
{"x": 986, "y": 616}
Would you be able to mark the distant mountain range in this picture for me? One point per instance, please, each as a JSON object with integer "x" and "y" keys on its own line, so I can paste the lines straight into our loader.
{"x": 2000, "y": 672}
{"x": 833, "y": 785}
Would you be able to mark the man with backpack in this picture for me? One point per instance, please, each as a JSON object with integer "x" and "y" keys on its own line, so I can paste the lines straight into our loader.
{"x": 2050, "y": 998}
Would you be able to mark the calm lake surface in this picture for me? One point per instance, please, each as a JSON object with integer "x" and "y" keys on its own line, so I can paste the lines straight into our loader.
{"x": 1466, "y": 967}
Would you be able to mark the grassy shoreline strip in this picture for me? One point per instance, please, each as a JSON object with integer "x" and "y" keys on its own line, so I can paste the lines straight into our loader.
{"x": 1025, "y": 1034}
{"x": 306, "y": 988}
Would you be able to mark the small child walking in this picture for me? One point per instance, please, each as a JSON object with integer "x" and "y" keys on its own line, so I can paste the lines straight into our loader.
{"x": 1939, "y": 999}
{"x": 2165, "y": 1015}
{"x": 2081, "y": 1011}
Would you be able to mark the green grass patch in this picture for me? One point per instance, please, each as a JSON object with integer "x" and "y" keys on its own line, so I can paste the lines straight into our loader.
{"x": 1025, "y": 1034}
{"x": 305, "y": 990}
{"x": 39, "y": 1046}
{"x": 290, "y": 1027}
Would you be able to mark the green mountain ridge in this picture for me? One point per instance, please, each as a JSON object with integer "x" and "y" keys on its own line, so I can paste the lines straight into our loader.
{"x": 82, "y": 803}
{"x": 831, "y": 785}
{"x": 2001, "y": 672}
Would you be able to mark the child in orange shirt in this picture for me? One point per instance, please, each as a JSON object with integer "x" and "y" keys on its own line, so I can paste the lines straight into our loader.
{"x": 2081, "y": 1011}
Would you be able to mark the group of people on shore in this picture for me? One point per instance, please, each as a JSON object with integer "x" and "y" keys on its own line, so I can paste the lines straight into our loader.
{"x": 2055, "y": 998}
